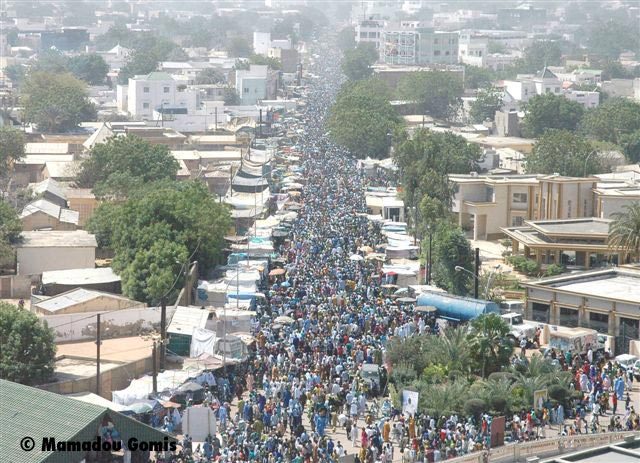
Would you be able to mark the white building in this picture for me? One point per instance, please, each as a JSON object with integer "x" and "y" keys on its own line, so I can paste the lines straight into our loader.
{"x": 369, "y": 31}
{"x": 156, "y": 91}
{"x": 586, "y": 99}
{"x": 255, "y": 84}
{"x": 418, "y": 46}
{"x": 261, "y": 42}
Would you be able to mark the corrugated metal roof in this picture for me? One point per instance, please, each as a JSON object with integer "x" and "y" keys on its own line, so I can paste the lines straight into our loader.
{"x": 58, "y": 239}
{"x": 51, "y": 186}
{"x": 69, "y": 216}
{"x": 46, "y": 148}
{"x": 27, "y": 411}
{"x": 187, "y": 319}
{"x": 80, "y": 276}
{"x": 73, "y": 297}
{"x": 41, "y": 205}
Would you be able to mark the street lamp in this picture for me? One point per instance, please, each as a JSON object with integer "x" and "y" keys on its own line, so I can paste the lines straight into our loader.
{"x": 489, "y": 280}
{"x": 586, "y": 160}
{"x": 430, "y": 231}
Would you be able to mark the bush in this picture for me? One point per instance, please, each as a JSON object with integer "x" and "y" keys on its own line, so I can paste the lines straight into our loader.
{"x": 403, "y": 374}
{"x": 498, "y": 404}
{"x": 554, "y": 269}
{"x": 559, "y": 393}
{"x": 435, "y": 374}
{"x": 475, "y": 408}
{"x": 523, "y": 265}
{"x": 498, "y": 375}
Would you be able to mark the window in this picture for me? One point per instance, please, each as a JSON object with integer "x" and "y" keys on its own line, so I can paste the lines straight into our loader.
{"x": 517, "y": 221}
{"x": 599, "y": 322}
{"x": 145, "y": 105}
{"x": 520, "y": 198}
{"x": 166, "y": 89}
{"x": 557, "y": 89}
{"x": 246, "y": 90}
{"x": 446, "y": 53}
{"x": 585, "y": 209}
{"x": 569, "y": 209}
{"x": 540, "y": 312}
{"x": 436, "y": 53}
{"x": 435, "y": 41}
{"x": 568, "y": 317}
{"x": 145, "y": 89}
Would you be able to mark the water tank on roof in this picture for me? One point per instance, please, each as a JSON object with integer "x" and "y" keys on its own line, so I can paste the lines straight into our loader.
{"x": 455, "y": 307}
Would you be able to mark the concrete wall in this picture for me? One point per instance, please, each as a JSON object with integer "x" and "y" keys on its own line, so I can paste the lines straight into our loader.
{"x": 99, "y": 304}
{"x": 40, "y": 220}
{"x": 122, "y": 323}
{"x": 15, "y": 287}
{"x": 34, "y": 261}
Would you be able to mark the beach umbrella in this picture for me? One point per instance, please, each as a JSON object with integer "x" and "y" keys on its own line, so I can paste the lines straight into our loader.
{"x": 284, "y": 320}
{"x": 277, "y": 271}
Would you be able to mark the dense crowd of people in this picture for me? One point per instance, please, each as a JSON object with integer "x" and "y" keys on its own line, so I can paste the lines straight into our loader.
{"x": 303, "y": 384}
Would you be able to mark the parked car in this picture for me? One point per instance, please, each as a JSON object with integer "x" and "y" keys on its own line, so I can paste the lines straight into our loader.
{"x": 626, "y": 361}
{"x": 636, "y": 370}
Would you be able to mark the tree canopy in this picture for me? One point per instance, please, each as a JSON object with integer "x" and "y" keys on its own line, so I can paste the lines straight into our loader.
{"x": 363, "y": 120}
{"x": 346, "y": 38}
{"x": 56, "y": 102}
{"x": 11, "y": 149}
{"x": 451, "y": 249}
{"x": 487, "y": 102}
{"x": 10, "y": 229}
{"x": 125, "y": 163}
{"x": 210, "y": 76}
{"x": 612, "y": 120}
{"x": 28, "y": 350}
{"x": 610, "y": 38}
{"x": 437, "y": 93}
{"x": 156, "y": 230}
{"x": 90, "y": 68}
{"x": 565, "y": 153}
{"x": 356, "y": 63}
{"x": 549, "y": 111}
{"x": 624, "y": 231}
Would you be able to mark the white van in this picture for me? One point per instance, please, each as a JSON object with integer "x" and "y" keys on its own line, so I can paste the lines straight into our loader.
{"x": 512, "y": 305}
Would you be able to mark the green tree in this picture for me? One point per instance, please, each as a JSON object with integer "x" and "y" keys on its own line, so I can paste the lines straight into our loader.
{"x": 16, "y": 73}
{"x": 11, "y": 149}
{"x": 565, "y": 153}
{"x": 540, "y": 54}
{"x": 156, "y": 226}
{"x": 138, "y": 63}
{"x": 56, "y": 102}
{"x": 273, "y": 63}
{"x": 356, "y": 62}
{"x": 231, "y": 98}
{"x": 612, "y": 120}
{"x": 90, "y": 68}
{"x": 28, "y": 350}
{"x": 51, "y": 61}
{"x": 437, "y": 93}
{"x": 624, "y": 231}
{"x": 611, "y": 38}
{"x": 124, "y": 163}
{"x": 489, "y": 342}
{"x": 486, "y": 104}
{"x": 451, "y": 250}
{"x": 631, "y": 146}
{"x": 239, "y": 47}
{"x": 10, "y": 229}
{"x": 551, "y": 111}
{"x": 362, "y": 119}
{"x": 210, "y": 76}
{"x": 477, "y": 77}
{"x": 346, "y": 39}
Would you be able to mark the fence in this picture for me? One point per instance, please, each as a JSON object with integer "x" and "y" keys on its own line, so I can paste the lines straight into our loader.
{"x": 543, "y": 448}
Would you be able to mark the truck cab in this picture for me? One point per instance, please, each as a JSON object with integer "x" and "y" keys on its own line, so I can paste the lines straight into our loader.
{"x": 374, "y": 376}
{"x": 518, "y": 327}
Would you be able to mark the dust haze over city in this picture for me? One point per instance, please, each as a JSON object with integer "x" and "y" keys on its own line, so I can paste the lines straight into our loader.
{"x": 319, "y": 231}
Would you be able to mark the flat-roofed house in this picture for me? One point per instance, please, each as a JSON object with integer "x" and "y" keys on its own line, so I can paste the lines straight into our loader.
{"x": 81, "y": 300}
{"x": 40, "y": 251}
{"x": 43, "y": 214}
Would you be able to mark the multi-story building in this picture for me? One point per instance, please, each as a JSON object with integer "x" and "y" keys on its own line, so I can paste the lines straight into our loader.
{"x": 156, "y": 91}
{"x": 418, "y": 46}
{"x": 370, "y": 31}
{"x": 255, "y": 84}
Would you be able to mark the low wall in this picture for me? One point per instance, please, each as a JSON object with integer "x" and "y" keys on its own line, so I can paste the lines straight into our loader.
{"x": 114, "y": 379}
{"x": 15, "y": 287}
{"x": 544, "y": 448}
{"x": 115, "y": 324}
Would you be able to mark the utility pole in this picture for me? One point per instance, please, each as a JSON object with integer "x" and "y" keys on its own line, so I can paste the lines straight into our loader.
{"x": 163, "y": 332}
{"x": 154, "y": 359}
{"x": 260, "y": 126}
{"x": 98, "y": 342}
{"x": 430, "y": 260}
{"x": 477, "y": 274}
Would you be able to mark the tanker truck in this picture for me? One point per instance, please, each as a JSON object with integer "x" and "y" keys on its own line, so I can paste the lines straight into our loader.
{"x": 456, "y": 308}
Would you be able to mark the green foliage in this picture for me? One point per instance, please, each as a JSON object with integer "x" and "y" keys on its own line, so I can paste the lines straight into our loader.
{"x": 523, "y": 265}
{"x": 624, "y": 231}
{"x": 475, "y": 408}
{"x": 10, "y": 225}
{"x": 565, "y": 153}
{"x": 489, "y": 342}
{"x": 273, "y": 63}
{"x": 239, "y": 47}
{"x": 28, "y": 351}
{"x": 155, "y": 227}
{"x": 11, "y": 149}
{"x": 209, "y": 76}
{"x": 231, "y": 98}
{"x": 346, "y": 39}
{"x": 56, "y": 102}
{"x": 403, "y": 373}
{"x": 362, "y": 119}
{"x": 451, "y": 249}
{"x": 486, "y": 104}
{"x": 553, "y": 270}
{"x": 477, "y": 77}
{"x": 356, "y": 63}
{"x": 148, "y": 51}
{"x": 436, "y": 93}
{"x": 551, "y": 111}
{"x": 16, "y": 73}
{"x": 51, "y": 61}
{"x": 631, "y": 146}
{"x": 612, "y": 120}
{"x": 90, "y": 68}
{"x": 540, "y": 54}
{"x": 124, "y": 163}
{"x": 435, "y": 374}
{"x": 611, "y": 38}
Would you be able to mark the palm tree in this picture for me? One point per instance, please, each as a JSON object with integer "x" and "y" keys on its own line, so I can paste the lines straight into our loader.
{"x": 489, "y": 342}
{"x": 624, "y": 231}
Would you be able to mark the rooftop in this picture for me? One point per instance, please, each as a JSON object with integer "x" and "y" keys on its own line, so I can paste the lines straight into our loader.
{"x": 58, "y": 239}
{"x": 116, "y": 350}
{"x": 614, "y": 283}
{"x": 46, "y": 148}
{"x": 187, "y": 319}
{"x": 76, "y": 296}
{"x": 572, "y": 227}
{"x": 80, "y": 276}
